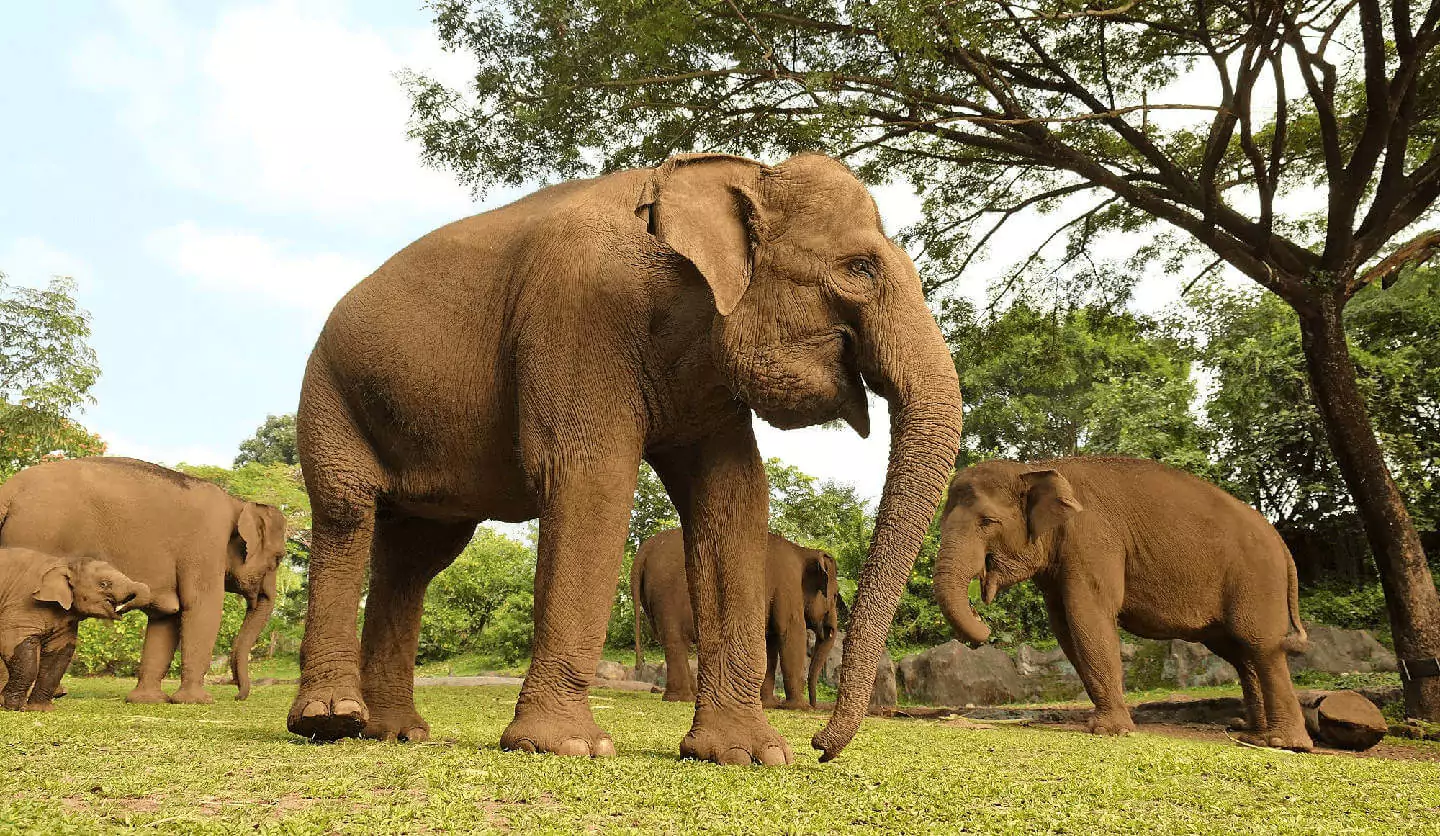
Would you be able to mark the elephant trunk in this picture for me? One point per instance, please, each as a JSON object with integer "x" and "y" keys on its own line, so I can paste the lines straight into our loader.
{"x": 256, "y": 615}
{"x": 913, "y": 370}
{"x": 818, "y": 657}
{"x": 952, "y": 592}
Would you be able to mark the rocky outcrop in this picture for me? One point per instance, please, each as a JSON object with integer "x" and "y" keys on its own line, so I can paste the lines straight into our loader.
{"x": 1337, "y": 650}
{"x": 955, "y": 675}
{"x": 612, "y": 671}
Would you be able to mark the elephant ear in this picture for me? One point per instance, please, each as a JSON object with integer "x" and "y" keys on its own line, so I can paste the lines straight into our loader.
{"x": 703, "y": 207}
{"x": 262, "y": 527}
{"x": 1049, "y": 502}
{"x": 55, "y": 587}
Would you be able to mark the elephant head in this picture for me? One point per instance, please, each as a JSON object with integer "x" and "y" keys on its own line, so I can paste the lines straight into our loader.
{"x": 256, "y": 547}
{"x": 823, "y": 609}
{"x": 91, "y": 589}
{"x": 814, "y": 304}
{"x": 997, "y": 527}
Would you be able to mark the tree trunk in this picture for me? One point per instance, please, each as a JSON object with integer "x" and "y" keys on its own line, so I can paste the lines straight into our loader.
{"x": 1409, "y": 587}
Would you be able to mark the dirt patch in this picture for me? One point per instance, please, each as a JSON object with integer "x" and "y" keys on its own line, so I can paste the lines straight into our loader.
{"x": 1216, "y": 734}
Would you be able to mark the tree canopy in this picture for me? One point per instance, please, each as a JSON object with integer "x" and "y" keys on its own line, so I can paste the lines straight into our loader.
{"x": 273, "y": 442}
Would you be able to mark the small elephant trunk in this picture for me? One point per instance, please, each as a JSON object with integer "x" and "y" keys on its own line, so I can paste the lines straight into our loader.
{"x": 256, "y": 617}
{"x": 952, "y": 593}
{"x": 817, "y": 660}
{"x": 918, "y": 379}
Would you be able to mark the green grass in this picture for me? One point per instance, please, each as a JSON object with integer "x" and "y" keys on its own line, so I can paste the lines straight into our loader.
{"x": 99, "y": 765}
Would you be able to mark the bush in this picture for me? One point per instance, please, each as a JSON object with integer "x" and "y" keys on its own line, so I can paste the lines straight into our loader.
{"x": 112, "y": 647}
{"x": 512, "y": 630}
{"x": 494, "y": 576}
{"x": 1354, "y": 608}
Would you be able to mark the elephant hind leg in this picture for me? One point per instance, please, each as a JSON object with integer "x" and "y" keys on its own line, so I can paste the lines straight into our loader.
{"x": 1238, "y": 656}
{"x": 407, "y": 553}
{"x": 1284, "y": 722}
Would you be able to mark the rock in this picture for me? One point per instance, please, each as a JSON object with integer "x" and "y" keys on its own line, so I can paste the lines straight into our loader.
{"x": 1189, "y": 664}
{"x": 1337, "y": 650}
{"x": 1032, "y": 662}
{"x": 885, "y": 695}
{"x": 654, "y": 674}
{"x": 1343, "y": 719}
{"x": 953, "y": 674}
{"x": 613, "y": 671}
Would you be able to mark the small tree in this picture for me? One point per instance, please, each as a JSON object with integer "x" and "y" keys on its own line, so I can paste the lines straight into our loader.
{"x": 995, "y": 107}
{"x": 47, "y": 369}
{"x": 273, "y": 442}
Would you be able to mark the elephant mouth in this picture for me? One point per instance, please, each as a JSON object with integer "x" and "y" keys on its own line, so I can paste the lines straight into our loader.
{"x": 121, "y": 606}
{"x": 835, "y": 393}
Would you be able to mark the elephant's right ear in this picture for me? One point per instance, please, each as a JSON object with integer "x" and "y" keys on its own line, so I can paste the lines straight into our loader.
{"x": 262, "y": 527}
{"x": 704, "y": 206}
{"x": 55, "y": 587}
{"x": 1049, "y": 501}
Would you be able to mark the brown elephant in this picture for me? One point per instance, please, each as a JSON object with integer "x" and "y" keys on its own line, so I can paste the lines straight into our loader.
{"x": 42, "y": 601}
{"x": 1164, "y": 554}
{"x": 521, "y": 363}
{"x": 803, "y": 594}
{"x": 188, "y": 539}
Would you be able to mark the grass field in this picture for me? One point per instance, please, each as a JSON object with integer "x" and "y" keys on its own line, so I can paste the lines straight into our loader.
{"x": 99, "y": 765}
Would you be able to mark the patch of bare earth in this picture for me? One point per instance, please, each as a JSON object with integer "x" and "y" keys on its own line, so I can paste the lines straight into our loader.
{"x": 1216, "y": 734}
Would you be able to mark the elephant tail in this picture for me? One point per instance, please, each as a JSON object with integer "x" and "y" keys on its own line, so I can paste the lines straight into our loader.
{"x": 635, "y": 570}
{"x": 1298, "y": 641}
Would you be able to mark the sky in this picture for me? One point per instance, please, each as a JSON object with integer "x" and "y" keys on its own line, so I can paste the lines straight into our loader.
{"x": 215, "y": 176}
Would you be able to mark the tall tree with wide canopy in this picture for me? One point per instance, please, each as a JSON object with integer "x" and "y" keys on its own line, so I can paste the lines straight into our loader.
{"x": 1228, "y": 121}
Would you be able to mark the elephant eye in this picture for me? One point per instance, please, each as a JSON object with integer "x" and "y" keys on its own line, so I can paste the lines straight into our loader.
{"x": 104, "y": 584}
{"x": 863, "y": 267}
{"x": 988, "y": 522}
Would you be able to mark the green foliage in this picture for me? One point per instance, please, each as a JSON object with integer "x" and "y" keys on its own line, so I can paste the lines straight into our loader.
{"x": 273, "y": 443}
{"x": 1360, "y": 608}
{"x": 112, "y": 647}
{"x": 652, "y": 512}
{"x": 1085, "y": 381}
{"x": 473, "y": 604}
{"x": 47, "y": 369}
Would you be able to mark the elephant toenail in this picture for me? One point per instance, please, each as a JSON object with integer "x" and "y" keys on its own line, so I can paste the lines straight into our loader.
{"x": 605, "y": 748}
{"x": 773, "y": 756}
{"x": 573, "y": 747}
{"x": 348, "y": 708}
{"x": 735, "y": 756}
{"x": 525, "y": 745}
{"x": 314, "y": 709}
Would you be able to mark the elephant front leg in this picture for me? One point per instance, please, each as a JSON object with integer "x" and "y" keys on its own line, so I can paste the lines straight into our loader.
{"x": 199, "y": 625}
{"x": 55, "y": 659}
{"x": 23, "y": 665}
{"x": 772, "y": 664}
{"x": 792, "y": 641}
{"x": 162, "y": 637}
{"x": 1094, "y": 649}
{"x": 679, "y": 683}
{"x": 720, "y": 489}
{"x": 584, "y": 521}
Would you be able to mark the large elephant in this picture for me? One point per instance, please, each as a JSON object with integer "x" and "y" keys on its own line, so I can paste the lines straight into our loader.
{"x": 42, "y": 601}
{"x": 522, "y": 362}
{"x": 186, "y": 538}
{"x": 802, "y": 592}
{"x": 1164, "y": 554}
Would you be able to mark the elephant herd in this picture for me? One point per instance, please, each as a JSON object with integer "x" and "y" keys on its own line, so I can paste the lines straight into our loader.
{"x": 522, "y": 363}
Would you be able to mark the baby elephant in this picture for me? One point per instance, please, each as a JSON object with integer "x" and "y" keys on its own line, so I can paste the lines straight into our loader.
{"x": 42, "y": 599}
{"x": 803, "y": 592}
{"x": 1164, "y": 554}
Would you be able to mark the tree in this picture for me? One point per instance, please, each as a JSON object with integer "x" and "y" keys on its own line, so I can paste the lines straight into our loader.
{"x": 992, "y": 108}
{"x": 46, "y": 371}
{"x": 466, "y": 597}
{"x": 273, "y": 442}
{"x": 1085, "y": 381}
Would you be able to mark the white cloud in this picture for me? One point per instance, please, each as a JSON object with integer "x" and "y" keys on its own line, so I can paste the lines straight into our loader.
{"x": 837, "y": 454}
{"x": 118, "y": 445}
{"x": 32, "y": 262}
{"x": 245, "y": 263}
{"x": 280, "y": 107}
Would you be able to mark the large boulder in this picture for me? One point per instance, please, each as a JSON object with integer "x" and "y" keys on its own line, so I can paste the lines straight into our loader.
{"x": 955, "y": 675}
{"x": 613, "y": 671}
{"x": 1337, "y": 650}
{"x": 1188, "y": 664}
{"x": 884, "y": 697}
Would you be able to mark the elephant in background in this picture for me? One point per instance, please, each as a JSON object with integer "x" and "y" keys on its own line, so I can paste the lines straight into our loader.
{"x": 803, "y": 593}
{"x": 186, "y": 538}
{"x": 42, "y": 600}
{"x": 1164, "y": 554}
{"x": 522, "y": 362}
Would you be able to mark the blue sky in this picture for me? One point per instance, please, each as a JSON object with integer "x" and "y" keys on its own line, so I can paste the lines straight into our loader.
{"x": 215, "y": 179}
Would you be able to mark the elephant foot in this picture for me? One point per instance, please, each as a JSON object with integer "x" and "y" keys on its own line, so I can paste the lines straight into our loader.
{"x": 1294, "y": 741}
{"x": 192, "y": 695}
{"x": 400, "y": 726}
{"x": 147, "y": 696}
{"x": 1111, "y": 724}
{"x": 328, "y": 713}
{"x": 735, "y": 736}
{"x": 794, "y": 705}
{"x": 557, "y": 731}
{"x": 40, "y": 706}
{"x": 677, "y": 696}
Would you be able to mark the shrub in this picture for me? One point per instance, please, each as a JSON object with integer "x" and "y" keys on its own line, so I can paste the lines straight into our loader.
{"x": 493, "y": 575}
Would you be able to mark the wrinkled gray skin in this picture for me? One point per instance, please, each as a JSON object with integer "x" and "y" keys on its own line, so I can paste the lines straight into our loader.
{"x": 521, "y": 363}
{"x": 42, "y": 600}
{"x": 804, "y": 595}
{"x": 1164, "y": 554}
{"x": 188, "y": 539}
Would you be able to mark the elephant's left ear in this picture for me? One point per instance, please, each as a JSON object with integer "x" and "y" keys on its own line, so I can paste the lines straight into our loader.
{"x": 262, "y": 527}
{"x": 55, "y": 587}
{"x": 1049, "y": 501}
{"x": 703, "y": 206}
